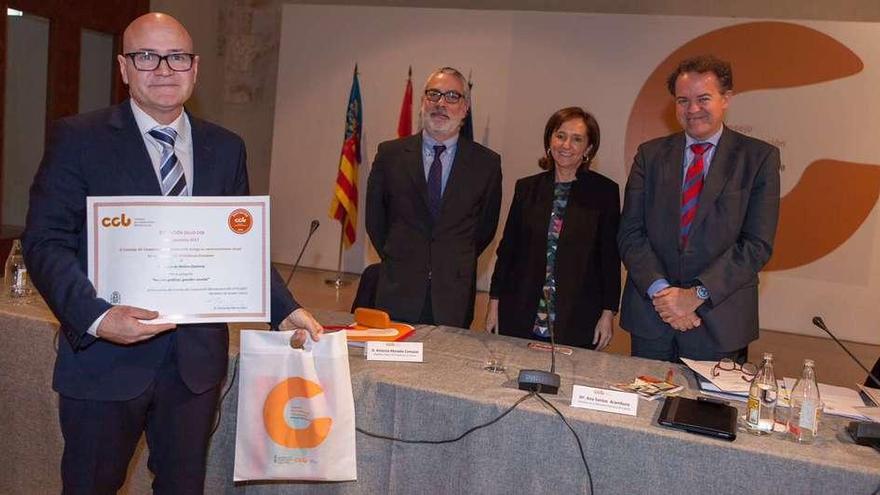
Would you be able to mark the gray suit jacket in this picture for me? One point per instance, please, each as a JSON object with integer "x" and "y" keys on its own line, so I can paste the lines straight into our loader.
{"x": 730, "y": 240}
{"x": 414, "y": 247}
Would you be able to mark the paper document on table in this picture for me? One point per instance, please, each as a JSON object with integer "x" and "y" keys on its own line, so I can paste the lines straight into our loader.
{"x": 872, "y": 413}
{"x": 727, "y": 381}
{"x": 839, "y": 401}
{"x": 708, "y": 389}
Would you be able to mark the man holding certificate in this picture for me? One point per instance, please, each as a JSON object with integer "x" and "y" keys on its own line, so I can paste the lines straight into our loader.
{"x": 118, "y": 374}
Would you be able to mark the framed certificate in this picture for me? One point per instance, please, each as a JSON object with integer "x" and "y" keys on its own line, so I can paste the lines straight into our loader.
{"x": 193, "y": 259}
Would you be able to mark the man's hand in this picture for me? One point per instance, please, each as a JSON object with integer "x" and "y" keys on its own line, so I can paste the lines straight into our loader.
{"x": 302, "y": 321}
{"x": 604, "y": 330}
{"x": 673, "y": 303}
{"x": 121, "y": 326}
{"x": 677, "y": 306}
{"x": 492, "y": 316}
{"x": 686, "y": 322}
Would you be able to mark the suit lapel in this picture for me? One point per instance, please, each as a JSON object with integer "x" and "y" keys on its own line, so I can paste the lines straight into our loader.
{"x": 412, "y": 161}
{"x": 203, "y": 157}
{"x": 458, "y": 176}
{"x": 720, "y": 167}
{"x": 671, "y": 177}
{"x": 131, "y": 157}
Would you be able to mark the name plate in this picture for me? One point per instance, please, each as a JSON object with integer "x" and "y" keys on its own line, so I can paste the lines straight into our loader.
{"x": 410, "y": 352}
{"x": 601, "y": 399}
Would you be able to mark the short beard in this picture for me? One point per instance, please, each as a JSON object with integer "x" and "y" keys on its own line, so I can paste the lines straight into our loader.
{"x": 450, "y": 126}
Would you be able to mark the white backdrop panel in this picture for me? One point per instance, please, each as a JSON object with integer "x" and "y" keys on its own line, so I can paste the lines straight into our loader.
{"x": 525, "y": 66}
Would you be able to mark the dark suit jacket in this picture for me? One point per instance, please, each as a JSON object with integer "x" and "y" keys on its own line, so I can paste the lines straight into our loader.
{"x": 587, "y": 264}
{"x": 102, "y": 154}
{"x": 413, "y": 247}
{"x": 730, "y": 240}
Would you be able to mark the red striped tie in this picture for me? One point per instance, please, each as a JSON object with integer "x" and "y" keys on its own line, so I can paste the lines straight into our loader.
{"x": 690, "y": 191}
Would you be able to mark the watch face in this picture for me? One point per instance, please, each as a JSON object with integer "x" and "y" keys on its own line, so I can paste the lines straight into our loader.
{"x": 702, "y": 292}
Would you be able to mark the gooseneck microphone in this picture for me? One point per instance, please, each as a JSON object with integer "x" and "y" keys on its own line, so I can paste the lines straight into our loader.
{"x": 862, "y": 432}
{"x": 539, "y": 380}
{"x": 819, "y": 322}
{"x": 312, "y": 228}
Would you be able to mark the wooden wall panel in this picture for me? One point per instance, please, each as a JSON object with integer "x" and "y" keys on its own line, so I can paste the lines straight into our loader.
{"x": 65, "y": 34}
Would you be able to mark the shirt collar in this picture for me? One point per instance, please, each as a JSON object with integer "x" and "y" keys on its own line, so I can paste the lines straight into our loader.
{"x": 428, "y": 142}
{"x": 146, "y": 123}
{"x": 713, "y": 139}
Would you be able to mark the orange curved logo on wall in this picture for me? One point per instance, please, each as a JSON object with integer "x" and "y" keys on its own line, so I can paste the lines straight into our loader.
{"x": 832, "y": 198}
{"x": 275, "y": 415}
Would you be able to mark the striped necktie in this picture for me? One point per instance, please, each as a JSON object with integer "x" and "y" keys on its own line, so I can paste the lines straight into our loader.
{"x": 173, "y": 181}
{"x": 690, "y": 191}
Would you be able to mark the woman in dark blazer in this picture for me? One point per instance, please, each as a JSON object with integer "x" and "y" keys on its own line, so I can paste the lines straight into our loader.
{"x": 558, "y": 262}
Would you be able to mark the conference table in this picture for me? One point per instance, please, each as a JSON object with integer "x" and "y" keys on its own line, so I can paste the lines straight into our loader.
{"x": 528, "y": 451}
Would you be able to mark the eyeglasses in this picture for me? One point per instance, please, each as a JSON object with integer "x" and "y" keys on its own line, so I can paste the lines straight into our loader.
{"x": 451, "y": 97}
{"x": 748, "y": 370}
{"x": 148, "y": 61}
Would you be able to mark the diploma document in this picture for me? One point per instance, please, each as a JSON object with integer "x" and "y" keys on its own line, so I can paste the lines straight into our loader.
{"x": 193, "y": 259}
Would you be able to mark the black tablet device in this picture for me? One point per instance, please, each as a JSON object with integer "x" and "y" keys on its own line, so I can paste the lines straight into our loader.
{"x": 703, "y": 417}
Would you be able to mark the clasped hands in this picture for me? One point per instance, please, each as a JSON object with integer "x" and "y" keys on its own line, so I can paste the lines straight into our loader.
{"x": 677, "y": 307}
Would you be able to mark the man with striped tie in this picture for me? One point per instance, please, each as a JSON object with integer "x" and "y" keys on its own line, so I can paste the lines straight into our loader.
{"x": 117, "y": 376}
{"x": 698, "y": 223}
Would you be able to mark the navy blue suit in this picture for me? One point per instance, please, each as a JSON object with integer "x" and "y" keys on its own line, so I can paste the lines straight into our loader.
{"x": 103, "y": 154}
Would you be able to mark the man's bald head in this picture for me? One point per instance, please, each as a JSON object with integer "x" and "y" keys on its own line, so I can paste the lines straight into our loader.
{"x": 158, "y": 90}
{"x": 150, "y": 25}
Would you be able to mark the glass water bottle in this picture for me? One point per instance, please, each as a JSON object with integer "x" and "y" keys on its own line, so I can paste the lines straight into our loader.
{"x": 762, "y": 399}
{"x": 805, "y": 405}
{"x": 15, "y": 277}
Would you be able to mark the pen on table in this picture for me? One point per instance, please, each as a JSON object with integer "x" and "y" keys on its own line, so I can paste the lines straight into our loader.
{"x": 670, "y": 375}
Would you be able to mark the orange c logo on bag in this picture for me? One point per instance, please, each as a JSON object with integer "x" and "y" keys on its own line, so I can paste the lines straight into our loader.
{"x": 240, "y": 221}
{"x": 276, "y": 424}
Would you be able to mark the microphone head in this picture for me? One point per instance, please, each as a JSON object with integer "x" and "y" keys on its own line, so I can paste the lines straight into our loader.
{"x": 314, "y": 226}
{"x": 819, "y": 322}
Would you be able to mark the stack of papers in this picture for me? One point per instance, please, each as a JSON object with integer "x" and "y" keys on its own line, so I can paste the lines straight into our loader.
{"x": 839, "y": 401}
{"x": 729, "y": 385}
{"x": 649, "y": 387}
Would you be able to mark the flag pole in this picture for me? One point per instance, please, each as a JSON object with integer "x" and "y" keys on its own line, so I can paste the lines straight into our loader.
{"x": 339, "y": 282}
{"x": 349, "y": 162}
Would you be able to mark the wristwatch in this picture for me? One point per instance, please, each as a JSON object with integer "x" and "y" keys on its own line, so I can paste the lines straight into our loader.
{"x": 702, "y": 292}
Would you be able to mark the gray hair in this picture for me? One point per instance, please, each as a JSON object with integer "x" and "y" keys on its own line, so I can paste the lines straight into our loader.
{"x": 455, "y": 73}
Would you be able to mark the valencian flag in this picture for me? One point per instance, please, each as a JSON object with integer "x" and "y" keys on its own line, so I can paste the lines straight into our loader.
{"x": 345, "y": 194}
{"x": 404, "y": 124}
{"x": 467, "y": 127}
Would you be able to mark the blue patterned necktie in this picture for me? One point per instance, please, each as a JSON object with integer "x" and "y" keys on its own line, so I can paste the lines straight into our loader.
{"x": 435, "y": 182}
{"x": 171, "y": 171}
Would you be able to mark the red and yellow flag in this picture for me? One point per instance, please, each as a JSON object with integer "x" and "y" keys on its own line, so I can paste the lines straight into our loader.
{"x": 343, "y": 207}
{"x": 404, "y": 124}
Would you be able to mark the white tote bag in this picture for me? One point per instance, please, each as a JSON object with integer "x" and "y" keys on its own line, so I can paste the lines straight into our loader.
{"x": 295, "y": 409}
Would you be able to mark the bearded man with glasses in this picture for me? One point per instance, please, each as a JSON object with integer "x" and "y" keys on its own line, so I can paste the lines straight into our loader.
{"x": 118, "y": 376}
{"x": 432, "y": 207}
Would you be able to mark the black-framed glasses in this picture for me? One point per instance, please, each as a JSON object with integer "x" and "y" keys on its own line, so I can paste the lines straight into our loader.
{"x": 148, "y": 61}
{"x": 748, "y": 370}
{"x": 451, "y": 96}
